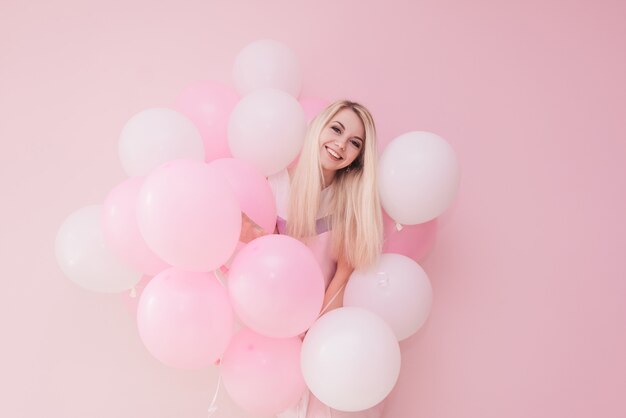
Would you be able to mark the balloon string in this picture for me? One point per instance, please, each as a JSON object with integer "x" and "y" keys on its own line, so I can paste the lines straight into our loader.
{"x": 303, "y": 405}
{"x": 399, "y": 226}
{"x": 212, "y": 406}
{"x": 219, "y": 275}
{"x": 331, "y": 300}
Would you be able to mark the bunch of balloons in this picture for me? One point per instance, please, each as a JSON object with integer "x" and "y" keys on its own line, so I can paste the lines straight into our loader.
{"x": 176, "y": 221}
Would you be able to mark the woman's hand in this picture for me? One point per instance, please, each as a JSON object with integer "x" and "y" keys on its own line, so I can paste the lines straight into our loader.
{"x": 249, "y": 229}
{"x": 333, "y": 298}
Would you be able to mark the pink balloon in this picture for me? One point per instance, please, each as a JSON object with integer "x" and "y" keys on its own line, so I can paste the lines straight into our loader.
{"x": 208, "y": 104}
{"x": 262, "y": 374}
{"x": 276, "y": 286}
{"x": 121, "y": 230}
{"x": 252, "y": 190}
{"x": 312, "y": 106}
{"x": 413, "y": 241}
{"x": 185, "y": 319}
{"x": 189, "y": 215}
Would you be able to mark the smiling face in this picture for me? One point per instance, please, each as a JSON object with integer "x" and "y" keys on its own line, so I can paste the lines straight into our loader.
{"x": 341, "y": 142}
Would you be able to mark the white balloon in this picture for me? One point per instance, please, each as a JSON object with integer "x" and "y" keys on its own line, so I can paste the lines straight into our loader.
{"x": 350, "y": 359}
{"x": 267, "y": 64}
{"x": 84, "y": 257}
{"x": 155, "y": 136}
{"x": 397, "y": 289}
{"x": 418, "y": 177}
{"x": 267, "y": 129}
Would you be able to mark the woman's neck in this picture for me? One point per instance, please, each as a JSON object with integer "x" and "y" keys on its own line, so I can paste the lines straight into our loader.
{"x": 327, "y": 178}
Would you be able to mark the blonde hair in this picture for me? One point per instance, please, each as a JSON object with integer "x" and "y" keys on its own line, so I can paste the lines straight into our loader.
{"x": 356, "y": 219}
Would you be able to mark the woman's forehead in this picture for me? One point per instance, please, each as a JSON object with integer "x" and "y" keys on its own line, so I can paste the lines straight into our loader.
{"x": 350, "y": 121}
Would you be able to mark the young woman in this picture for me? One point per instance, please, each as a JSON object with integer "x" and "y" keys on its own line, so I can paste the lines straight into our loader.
{"x": 330, "y": 199}
{"x": 330, "y": 202}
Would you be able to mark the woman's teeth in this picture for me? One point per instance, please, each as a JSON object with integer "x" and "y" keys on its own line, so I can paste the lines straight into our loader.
{"x": 333, "y": 154}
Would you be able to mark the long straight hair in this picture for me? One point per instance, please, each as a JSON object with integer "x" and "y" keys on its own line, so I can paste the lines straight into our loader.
{"x": 356, "y": 219}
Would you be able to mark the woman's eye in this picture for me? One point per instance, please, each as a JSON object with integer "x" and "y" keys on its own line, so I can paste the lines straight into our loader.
{"x": 356, "y": 143}
{"x": 337, "y": 130}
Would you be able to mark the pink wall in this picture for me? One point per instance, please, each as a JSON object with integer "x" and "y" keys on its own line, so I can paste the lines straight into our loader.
{"x": 529, "y": 276}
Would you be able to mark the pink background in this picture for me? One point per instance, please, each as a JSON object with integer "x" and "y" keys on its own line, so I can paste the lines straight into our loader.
{"x": 528, "y": 273}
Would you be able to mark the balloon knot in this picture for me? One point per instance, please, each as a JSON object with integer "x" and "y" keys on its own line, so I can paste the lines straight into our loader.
{"x": 383, "y": 280}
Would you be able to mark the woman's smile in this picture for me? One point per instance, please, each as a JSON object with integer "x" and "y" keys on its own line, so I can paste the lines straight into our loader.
{"x": 341, "y": 142}
{"x": 334, "y": 155}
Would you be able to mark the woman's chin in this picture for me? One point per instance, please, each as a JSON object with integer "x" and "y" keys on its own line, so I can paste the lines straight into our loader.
{"x": 329, "y": 168}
